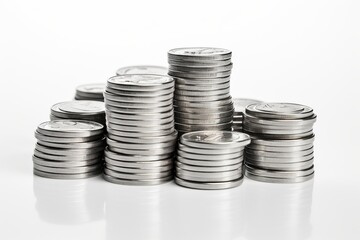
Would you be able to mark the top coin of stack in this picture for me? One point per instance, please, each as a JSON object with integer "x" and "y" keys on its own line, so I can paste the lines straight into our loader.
{"x": 92, "y": 91}
{"x": 239, "y": 110}
{"x": 141, "y": 135}
{"x": 202, "y": 98}
{"x": 82, "y": 110}
{"x": 142, "y": 69}
{"x": 282, "y": 142}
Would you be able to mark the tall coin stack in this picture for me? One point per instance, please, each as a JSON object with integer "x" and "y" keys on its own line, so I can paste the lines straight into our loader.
{"x": 202, "y": 98}
{"x": 69, "y": 149}
{"x": 210, "y": 159}
{"x": 142, "y": 69}
{"x": 239, "y": 110}
{"x": 141, "y": 135}
{"x": 92, "y": 91}
{"x": 81, "y": 110}
{"x": 281, "y": 149}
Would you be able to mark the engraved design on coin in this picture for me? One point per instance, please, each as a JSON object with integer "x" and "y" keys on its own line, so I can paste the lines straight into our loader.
{"x": 280, "y": 107}
{"x": 199, "y": 51}
{"x": 82, "y": 106}
{"x": 68, "y": 125}
{"x": 140, "y": 79}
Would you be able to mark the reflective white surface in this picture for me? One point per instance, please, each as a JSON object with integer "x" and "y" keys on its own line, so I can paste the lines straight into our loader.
{"x": 305, "y": 52}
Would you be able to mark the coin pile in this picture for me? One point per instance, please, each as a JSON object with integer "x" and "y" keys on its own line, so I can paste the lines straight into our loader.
{"x": 81, "y": 110}
{"x": 142, "y": 69}
{"x": 210, "y": 159}
{"x": 202, "y": 98}
{"x": 141, "y": 135}
{"x": 281, "y": 149}
{"x": 69, "y": 149}
{"x": 93, "y": 91}
{"x": 239, "y": 110}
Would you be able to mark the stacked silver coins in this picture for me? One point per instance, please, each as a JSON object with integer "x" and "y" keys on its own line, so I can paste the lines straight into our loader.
{"x": 210, "y": 159}
{"x": 69, "y": 149}
{"x": 239, "y": 110}
{"x": 202, "y": 98}
{"x": 92, "y": 91}
{"x": 141, "y": 135}
{"x": 281, "y": 149}
{"x": 142, "y": 69}
{"x": 81, "y": 110}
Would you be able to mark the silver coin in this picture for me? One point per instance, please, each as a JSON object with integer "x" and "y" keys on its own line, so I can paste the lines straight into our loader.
{"x": 187, "y": 177}
{"x": 199, "y": 75}
{"x": 282, "y": 122}
{"x": 93, "y": 88}
{"x": 210, "y": 163}
{"x": 201, "y": 109}
{"x": 142, "y": 69}
{"x": 197, "y": 93}
{"x": 160, "y": 133}
{"x": 279, "y": 159}
{"x": 279, "y": 180}
{"x": 201, "y": 81}
{"x": 279, "y": 149}
{"x": 89, "y": 94}
{"x": 66, "y": 139}
{"x": 199, "y": 53}
{"x": 284, "y": 143}
{"x": 139, "y": 170}
{"x": 201, "y": 98}
{"x": 201, "y": 87}
{"x": 203, "y": 116}
{"x": 213, "y": 175}
{"x": 280, "y": 136}
{"x": 68, "y": 152}
{"x": 280, "y": 174}
{"x": 143, "y": 122}
{"x": 240, "y": 104}
{"x": 143, "y": 128}
{"x": 262, "y": 129}
{"x": 212, "y": 157}
{"x": 66, "y": 176}
{"x": 140, "y": 165}
{"x": 145, "y": 140}
{"x": 196, "y": 104}
{"x": 209, "y": 151}
{"x": 137, "y": 182}
{"x": 52, "y": 157}
{"x": 72, "y": 170}
{"x": 80, "y": 107}
{"x": 141, "y": 146}
{"x": 92, "y": 144}
{"x": 143, "y": 152}
{"x": 144, "y": 110}
{"x": 203, "y": 127}
{"x": 279, "y": 110}
{"x": 202, "y": 63}
{"x": 99, "y": 119}
{"x": 64, "y": 164}
{"x": 132, "y": 176}
{"x": 70, "y": 128}
{"x": 209, "y": 186}
{"x": 289, "y": 166}
{"x": 215, "y": 140}
{"x": 141, "y": 116}
{"x": 135, "y": 158}
{"x": 138, "y": 105}
{"x": 203, "y": 121}
{"x": 194, "y": 69}
{"x": 144, "y": 82}
{"x": 143, "y": 94}
{"x": 137, "y": 99}
{"x": 208, "y": 169}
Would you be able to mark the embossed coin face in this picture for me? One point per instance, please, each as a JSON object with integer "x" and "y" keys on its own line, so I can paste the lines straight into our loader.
{"x": 279, "y": 110}
{"x": 70, "y": 126}
{"x": 280, "y": 107}
{"x": 87, "y": 107}
{"x": 142, "y": 69}
{"x": 141, "y": 80}
{"x": 92, "y": 88}
{"x": 215, "y": 136}
{"x": 200, "y": 52}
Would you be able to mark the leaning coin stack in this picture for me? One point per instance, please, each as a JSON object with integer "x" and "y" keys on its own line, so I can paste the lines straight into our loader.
{"x": 210, "y": 159}
{"x": 202, "y": 98}
{"x": 81, "y": 110}
{"x": 281, "y": 149}
{"x": 93, "y": 91}
{"x": 239, "y": 110}
{"x": 142, "y": 69}
{"x": 69, "y": 149}
{"x": 141, "y": 135}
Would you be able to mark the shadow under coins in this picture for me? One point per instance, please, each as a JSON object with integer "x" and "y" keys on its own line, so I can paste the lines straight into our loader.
{"x": 69, "y": 202}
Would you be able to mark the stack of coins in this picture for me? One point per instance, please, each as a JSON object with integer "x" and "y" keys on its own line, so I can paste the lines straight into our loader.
{"x": 282, "y": 142}
{"x": 202, "y": 98}
{"x": 142, "y": 69}
{"x": 141, "y": 135}
{"x": 211, "y": 159}
{"x": 81, "y": 110}
{"x": 239, "y": 110}
{"x": 92, "y": 91}
{"x": 69, "y": 149}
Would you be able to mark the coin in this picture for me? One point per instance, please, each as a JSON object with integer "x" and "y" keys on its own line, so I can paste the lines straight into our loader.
{"x": 279, "y": 110}
{"x": 142, "y": 69}
{"x": 66, "y": 176}
{"x": 116, "y": 180}
{"x": 199, "y": 53}
{"x": 279, "y": 180}
{"x": 209, "y": 185}
{"x": 92, "y": 91}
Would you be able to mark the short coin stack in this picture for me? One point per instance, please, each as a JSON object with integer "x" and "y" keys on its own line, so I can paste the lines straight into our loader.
{"x": 239, "y": 110}
{"x": 211, "y": 159}
{"x": 141, "y": 135}
{"x": 69, "y": 149}
{"x": 92, "y": 91}
{"x": 281, "y": 149}
{"x": 81, "y": 110}
{"x": 142, "y": 69}
{"x": 202, "y": 98}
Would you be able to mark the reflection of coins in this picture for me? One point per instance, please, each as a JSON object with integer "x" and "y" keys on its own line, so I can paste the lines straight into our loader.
{"x": 282, "y": 148}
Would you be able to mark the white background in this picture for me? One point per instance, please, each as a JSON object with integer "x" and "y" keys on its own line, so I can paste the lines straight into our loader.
{"x": 283, "y": 50}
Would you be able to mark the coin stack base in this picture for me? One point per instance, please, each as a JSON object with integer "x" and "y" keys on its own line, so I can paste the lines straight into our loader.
{"x": 141, "y": 135}
{"x": 239, "y": 110}
{"x": 92, "y": 91}
{"x": 210, "y": 160}
{"x": 69, "y": 149}
{"x": 281, "y": 150}
{"x": 202, "y": 98}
